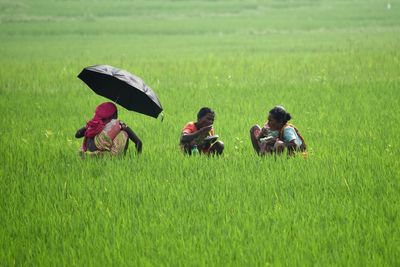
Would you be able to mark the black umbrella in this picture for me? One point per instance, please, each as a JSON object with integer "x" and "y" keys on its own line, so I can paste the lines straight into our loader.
{"x": 123, "y": 88}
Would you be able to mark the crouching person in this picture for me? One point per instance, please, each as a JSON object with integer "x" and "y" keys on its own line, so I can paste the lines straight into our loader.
{"x": 105, "y": 134}
{"x": 199, "y": 136}
{"x": 277, "y": 135}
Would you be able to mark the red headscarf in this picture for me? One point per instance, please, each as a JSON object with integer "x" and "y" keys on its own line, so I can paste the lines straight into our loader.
{"x": 104, "y": 113}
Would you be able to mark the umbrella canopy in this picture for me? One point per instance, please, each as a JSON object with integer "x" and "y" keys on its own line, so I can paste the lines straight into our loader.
{"x": 123, "y": 88}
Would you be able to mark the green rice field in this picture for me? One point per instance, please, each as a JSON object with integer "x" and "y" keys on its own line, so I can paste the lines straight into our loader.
{"x": 333, "y": 64}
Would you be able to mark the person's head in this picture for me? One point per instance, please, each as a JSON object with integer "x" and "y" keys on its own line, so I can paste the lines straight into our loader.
{"x": 278, "y": 117}
{"x": 106, "y": 111}
{"x": 205, "y": 117}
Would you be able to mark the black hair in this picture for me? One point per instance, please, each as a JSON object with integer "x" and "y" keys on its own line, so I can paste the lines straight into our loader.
{"x": 204, "y": 111}
{"x": 279, "y": 113}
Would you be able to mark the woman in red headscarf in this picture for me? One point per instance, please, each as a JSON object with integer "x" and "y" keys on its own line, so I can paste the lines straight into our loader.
{"x": 105, "y": 134}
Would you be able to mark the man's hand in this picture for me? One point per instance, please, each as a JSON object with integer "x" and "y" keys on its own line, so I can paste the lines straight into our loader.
{"x": 205, "y": 130}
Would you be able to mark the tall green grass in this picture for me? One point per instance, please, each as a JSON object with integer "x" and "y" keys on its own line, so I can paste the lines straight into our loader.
{"x": 333, "y": 64}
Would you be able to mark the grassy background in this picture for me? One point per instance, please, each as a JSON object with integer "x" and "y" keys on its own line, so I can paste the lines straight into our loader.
{"x": 333, "y": 64}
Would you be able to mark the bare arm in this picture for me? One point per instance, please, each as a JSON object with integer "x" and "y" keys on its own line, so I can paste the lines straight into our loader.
{"x": 80, "y": 133}
{"x": 134, "y": 138}
{"x": 291, "y": 147}
{"x": 187, "y": 138}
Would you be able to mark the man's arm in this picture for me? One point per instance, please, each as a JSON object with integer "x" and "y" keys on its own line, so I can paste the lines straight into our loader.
{"x": 187, "y": 138}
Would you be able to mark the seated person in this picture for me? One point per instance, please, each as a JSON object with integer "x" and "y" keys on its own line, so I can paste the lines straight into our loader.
{"x": 277, "y": 134}
{"x": 104, "y": 134}
{"x": 263, "y": 139}
{"x": 200, "y": 134}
